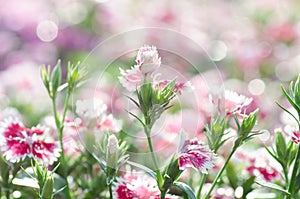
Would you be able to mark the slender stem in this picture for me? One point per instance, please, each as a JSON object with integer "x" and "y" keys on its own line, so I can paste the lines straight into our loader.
{"x": 291, "y": 188}
{"x": 110, "y": 192}
{"x": 60, "y": 126}
{"x": 202, "y": 181}
{"x": 66, "y": 107}
{"x": 162, "y": 195}
{"x": 151, "y": 149}
{"x": 285, "y": 172}
{"x": 220, "y": 172}
{"x": 7, "y": 194}
{"x": 158, "y": 173}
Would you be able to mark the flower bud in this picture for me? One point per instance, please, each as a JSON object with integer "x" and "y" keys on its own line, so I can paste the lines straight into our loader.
{"x": 47, "y": 192}
{"x": 56, "y": 78}
{"x": 112, "y": 151}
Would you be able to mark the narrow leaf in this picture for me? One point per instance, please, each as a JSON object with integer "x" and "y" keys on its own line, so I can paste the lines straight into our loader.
{"x": 146, "y": 169}
{"x": 272, "y": 186}
{"x": 186, "y": 189}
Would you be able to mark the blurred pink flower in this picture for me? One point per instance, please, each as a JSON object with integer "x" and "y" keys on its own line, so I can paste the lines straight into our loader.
{"x": 148, "y": 59}
{"x": 131, "y": 79}
{"x": 285, "y": 32}
{"x": 263, "y": 166}
{"x": 296, "y": 136}
{"x": 20, "y": 142}
{"x": 231, "y": 103}
{"x": 178, "y": 87}
{"x": 93, "y": 116}
{"x": 196, "y": 155}
{"x": 268, "y": 173}
{"x": 133, "y": 186}
{"x": 108, "y": 123}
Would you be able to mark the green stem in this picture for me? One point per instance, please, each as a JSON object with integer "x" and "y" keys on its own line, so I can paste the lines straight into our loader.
{"x": 221, "y": 172}
{"x": 60, "y": 127}
{"x": 7, "y": 194}
{"x": 110, "y": 192}
{"x": 152, "y": 151}
{"x": 202, "y": 181}
{"x": 162, "y": 195}
{"x": 291, "y": 188}
{"x": 158, "y": 173}
{"x": 285, "y": 172}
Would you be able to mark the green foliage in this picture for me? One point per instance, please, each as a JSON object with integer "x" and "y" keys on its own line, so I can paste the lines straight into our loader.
{"x": 215, "y": 132}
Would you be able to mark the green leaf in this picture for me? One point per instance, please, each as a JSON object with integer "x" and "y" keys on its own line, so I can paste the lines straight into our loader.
{"x": 247, "y": 186}
{"x": 136, "y": 117}
{"x": 133, "y": 100}
{"x": 288, "y": 112}
{"x": 231, "y": 175}
{"x": 272, "y": 186}
{"x": 146, "y": 169}
{"x": 288, "y": 97}
{"x": 59, "y": 190}
{"x": 47, "y": 190}
{"x": 272, "y": 154}
{"x": 102, "y": 165}
{"x": 296, "y": 93}
{"x": 186, "y": 189}
{"x": 280, "y": 146}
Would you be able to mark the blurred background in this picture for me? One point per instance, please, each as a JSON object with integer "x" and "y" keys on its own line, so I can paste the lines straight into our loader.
{"x": 254, "y": 44}
{"x": 251, "y": 47}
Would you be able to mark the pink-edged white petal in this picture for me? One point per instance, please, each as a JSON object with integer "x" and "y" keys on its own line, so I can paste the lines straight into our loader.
{"x": 148, "y": 59}
{"x": 90, "y": 108}
{"x": 196, "y": 155}
{"x": 234, "y": 102}
{"x": 131, "y": 79}
{"x": 137, "y": 186}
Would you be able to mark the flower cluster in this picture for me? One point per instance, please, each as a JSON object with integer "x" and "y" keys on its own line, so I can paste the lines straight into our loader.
{"x": 20, "y": 142}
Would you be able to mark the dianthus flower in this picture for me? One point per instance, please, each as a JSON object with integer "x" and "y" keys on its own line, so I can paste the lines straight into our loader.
{"x": 133, "y": 186}
{"x": 19, "y": 142}
{"x": 196, "y": 155}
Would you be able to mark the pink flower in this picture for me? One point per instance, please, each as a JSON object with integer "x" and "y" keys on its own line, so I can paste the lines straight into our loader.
{"x": 263, "y": 166}
{"x": 137, "y": 187}
{"x": 178, "y": 87}
{"x": 286, "y": 32}
{"x": 268, "y": 173}
{"x": 109, "y": 123}
{"x": 232, "y": 103}
{"x": 93, "y": 116}
{"x": 265, "y": 169}
{"x": 20, "y": 142}
{"x": 296, "y": 136}
{"x": 196, "y": 155}
{"x": 148, "y": 59}
{"x": 131, "y": 79}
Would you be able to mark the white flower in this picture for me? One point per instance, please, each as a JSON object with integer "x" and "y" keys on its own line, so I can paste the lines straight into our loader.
{"x": 90, "y": 108}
